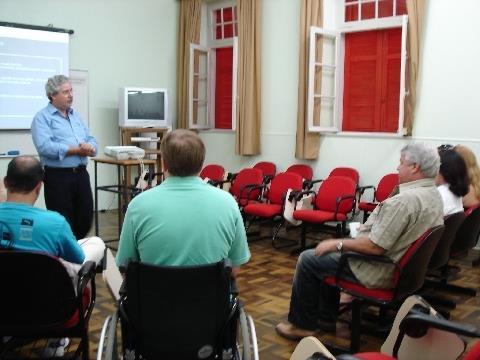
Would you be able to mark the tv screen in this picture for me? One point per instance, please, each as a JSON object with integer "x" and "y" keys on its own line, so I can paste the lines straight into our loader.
{"x": 146, "y": 105}
{"x": 143, "y": 107}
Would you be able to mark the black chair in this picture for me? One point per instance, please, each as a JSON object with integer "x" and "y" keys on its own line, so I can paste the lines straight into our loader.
{"x": 39, "y": 301}
{"x": 408, "y": 277}
{"x": 439, "y": 262}
{"x": 465, "y": 239}
{"x": 177, "y": 313}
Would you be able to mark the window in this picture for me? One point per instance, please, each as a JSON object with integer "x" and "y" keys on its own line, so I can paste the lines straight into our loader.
{"x": 357, "y": 74}
{"x": 213, "y": 72}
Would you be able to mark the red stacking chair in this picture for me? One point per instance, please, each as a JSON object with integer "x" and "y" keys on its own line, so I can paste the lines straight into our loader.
{"x": 274, "y": 207}
{"x": 268, "y": 169}
{"x": 381, "y": 192}
{"x": 247, "y": 186}
{"x": 347, "y": 172}
{"x": 408, "y": 277}
{"x": 305, "y": 171}
{"x": 332, "y": 203}
{"x": 215, "y": 173}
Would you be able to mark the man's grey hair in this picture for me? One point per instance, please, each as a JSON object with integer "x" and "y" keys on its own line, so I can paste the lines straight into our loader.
{"x": 53, "y": 85}
{"x": 424, "y": 156}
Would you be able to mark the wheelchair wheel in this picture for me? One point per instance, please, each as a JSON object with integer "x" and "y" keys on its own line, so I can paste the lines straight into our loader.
{"x": 107, "y": 346}
{"x": 248, "y": 341}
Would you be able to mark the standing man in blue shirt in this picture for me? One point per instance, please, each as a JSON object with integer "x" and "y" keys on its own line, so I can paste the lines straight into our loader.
{"x": 64, "y": 142}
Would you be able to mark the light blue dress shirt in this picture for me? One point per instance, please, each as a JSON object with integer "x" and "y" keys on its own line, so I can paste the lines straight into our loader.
{"x": 53, "y": 135}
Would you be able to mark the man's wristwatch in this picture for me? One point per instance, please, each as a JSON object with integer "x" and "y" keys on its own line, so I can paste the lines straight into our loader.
{"x": 340, "y": 246}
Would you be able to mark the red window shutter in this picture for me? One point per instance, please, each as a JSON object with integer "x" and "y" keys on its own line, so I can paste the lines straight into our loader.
{"x": 360, "y": 84}
{"x": 372, "y": 81}
{"x": 223, "y": 88}
{"x": 391, "y": 93}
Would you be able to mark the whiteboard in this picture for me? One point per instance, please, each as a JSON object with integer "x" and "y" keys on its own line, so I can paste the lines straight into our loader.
{"x": 21, "y": 140}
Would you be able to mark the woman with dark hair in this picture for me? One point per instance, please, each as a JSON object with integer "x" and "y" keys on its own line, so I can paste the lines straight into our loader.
{"x": 452, "y": 181}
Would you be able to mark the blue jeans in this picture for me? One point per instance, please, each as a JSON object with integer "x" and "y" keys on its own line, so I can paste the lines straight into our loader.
{"x": 312, "y": 299}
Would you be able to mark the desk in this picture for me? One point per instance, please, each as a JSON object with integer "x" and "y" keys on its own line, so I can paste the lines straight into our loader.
{"x": 126, "y": 138}
{"x": 123, "y": 186}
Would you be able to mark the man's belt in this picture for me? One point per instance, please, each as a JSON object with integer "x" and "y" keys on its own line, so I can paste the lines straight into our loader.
{"x": 76, "y": 169}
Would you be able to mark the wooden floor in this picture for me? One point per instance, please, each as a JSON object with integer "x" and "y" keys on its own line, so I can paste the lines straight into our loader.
{"x": 265, "y": 285}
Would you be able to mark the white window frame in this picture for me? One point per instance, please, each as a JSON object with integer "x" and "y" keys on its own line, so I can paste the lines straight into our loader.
{"x": 355, "y": 26}
{"x": 210, "y": 74}
{"x": 193, "y": 123}
{"x": 312, "y": 64}
{"x": 211, "y": 8}
{"x": 358, "y": 3}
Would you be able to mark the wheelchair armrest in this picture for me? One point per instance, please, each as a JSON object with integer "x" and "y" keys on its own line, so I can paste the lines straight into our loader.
{"x": 85, "y": 274}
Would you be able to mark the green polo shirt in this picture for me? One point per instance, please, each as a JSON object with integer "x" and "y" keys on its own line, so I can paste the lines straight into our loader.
{"x": 183, "y": 221}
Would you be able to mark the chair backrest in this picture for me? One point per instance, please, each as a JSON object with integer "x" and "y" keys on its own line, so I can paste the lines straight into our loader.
{"x": 385, "y": 186}
{"x": 281, "y": 183}
{"x": 268, "y": 168}
{"x": 347, "y": 172}
{"x": 305, "y": 171}
{"x": 37, "y": 293}
{"x": 213, "y": 172}
{"x": 414, "y": 263}
{"x": 441, "y": 255}
{"x": 246, "y": 177}
{"x": 468, "y": 232}
{"x": 178, "y": 312}
{"x": 331, "y": 189}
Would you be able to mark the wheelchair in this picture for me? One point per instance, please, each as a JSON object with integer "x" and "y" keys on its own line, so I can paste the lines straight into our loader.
{"x": 40, "y": 302}
{"x": 171, "y": 312}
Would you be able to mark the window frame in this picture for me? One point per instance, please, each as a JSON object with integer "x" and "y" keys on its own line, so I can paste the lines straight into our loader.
{"x": 210, "y": 76}
{"x": 211, "y": 23}
{"x": 359, "y": 4}
{"x": 193, "y": 123}
{"x": 349, "y": 27}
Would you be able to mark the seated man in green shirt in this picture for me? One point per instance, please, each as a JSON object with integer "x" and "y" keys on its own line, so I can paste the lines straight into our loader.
{"x": 183, "y": 221}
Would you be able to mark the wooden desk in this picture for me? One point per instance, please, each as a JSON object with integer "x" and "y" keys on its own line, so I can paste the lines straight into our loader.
{"x": 126, "y": 138}
{"x": 122, "y": 188}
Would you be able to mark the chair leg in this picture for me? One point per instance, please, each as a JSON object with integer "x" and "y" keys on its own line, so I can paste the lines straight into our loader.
{"x": 365, "y": 216}
{"x": 303, "y": 240}
{"x": 287, "y": 243}
{"x": 356, "y": 326}
{"x": 85, "y": 344}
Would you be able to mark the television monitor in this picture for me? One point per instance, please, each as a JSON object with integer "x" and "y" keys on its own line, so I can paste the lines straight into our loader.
{"x": 143, "y": 107}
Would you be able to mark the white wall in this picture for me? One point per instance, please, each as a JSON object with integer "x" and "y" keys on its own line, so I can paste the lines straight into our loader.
{"x": 123, "y": 42}
{"x": 120, "y": 43}
{"x": 449, "y": 100}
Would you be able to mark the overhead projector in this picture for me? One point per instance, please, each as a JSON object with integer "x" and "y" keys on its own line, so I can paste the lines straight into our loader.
{"x": 125, "y": 152}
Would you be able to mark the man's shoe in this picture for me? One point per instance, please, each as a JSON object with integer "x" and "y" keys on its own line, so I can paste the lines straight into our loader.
{"x": 293, "y": 332}
{"x": 55, "y": 348}
{"x": 327, "y": 325}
